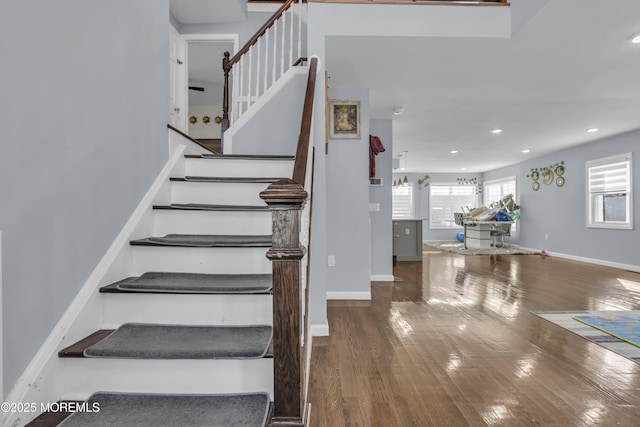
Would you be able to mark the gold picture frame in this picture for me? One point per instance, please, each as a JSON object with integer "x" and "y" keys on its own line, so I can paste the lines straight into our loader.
{"x": 344, "y": 119}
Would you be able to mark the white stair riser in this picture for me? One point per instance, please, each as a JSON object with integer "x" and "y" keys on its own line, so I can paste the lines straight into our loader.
{"x": 186, "y": 309}
{"x": 199, "y": 260}
{"x": 218, "y": 193}
{"x": 239, "y": 168}
{"x": 86, "y": 375}
{"x": 211, "y": 222}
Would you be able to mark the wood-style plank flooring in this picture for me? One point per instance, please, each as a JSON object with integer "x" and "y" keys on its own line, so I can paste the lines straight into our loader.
{"x": 454, "y": 344}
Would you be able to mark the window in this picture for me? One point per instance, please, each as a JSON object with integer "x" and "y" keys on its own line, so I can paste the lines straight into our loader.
{"x": 402, "y": 201}
{"x": 609, "y": 196}
{"x": 445, "y": 199}
{"x": 495, "y": 190}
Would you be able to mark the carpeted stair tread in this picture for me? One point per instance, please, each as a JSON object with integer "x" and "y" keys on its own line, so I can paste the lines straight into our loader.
{"x": 226, "y": 179}
{"x": 153, "y": 341}
{"x": 205, "y": 240}
{"x": 196, "y": 283}
{"x": 206, "y": 207}
{"x": 77, "y": 349}
{"x": 171, "y": 410}
{"x": 239, "y": 156}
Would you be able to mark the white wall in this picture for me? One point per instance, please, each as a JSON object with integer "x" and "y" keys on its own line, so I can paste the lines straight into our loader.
{"x": 83, "y": 129}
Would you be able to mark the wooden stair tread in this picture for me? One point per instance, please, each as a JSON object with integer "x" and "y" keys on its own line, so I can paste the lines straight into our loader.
{"x": 187, "y": 283}
{"x": 206, "y": 241}
{"x": 239, "y": 156}
{"x": 224, "y": 179}
{"x": 77, "y": 349}
{"x": 207, "y": 207}
{"x": 52, "y": 418}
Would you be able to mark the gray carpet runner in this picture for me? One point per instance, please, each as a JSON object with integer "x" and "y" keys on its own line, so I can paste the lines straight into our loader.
{"x": 205, "y": 240}
{"x": 156, "y": 410}
{"x": 152, "y": 341}
{"x": 198, "y": 283}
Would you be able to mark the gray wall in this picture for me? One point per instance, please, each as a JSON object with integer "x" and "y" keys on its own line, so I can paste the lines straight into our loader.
{"x": 275, "y": 128}
{"x": 560, "y": 212}
{"x": 381, "y": 226}
{"x": 83, "y": 129}
{"x": 348, "y": 203}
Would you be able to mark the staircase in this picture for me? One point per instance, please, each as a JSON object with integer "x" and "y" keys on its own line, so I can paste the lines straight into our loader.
{"x": 193, "y": 321}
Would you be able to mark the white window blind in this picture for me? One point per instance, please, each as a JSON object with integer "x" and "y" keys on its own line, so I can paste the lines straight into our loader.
{"x": 609, "y": 196}
{"x": 402, "y": 201}
{"x": 445, "y": 199}
{"x": 497, "y": 189}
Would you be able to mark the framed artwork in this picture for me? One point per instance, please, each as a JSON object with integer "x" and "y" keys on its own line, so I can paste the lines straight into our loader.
{"x": 344, "y": 119}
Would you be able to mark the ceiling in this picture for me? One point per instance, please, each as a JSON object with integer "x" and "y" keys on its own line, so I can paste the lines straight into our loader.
{"x": 570, "y": 68}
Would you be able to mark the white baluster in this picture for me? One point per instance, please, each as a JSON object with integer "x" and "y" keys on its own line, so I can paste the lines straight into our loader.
{"x": 258, "y": 68}
{"x": 284, "y": 32}
{"x": 290, "y": 38}
{"x": 275, "y": 51}
{"x": 266, "y": 59}
{"x": 241, "y": 97}
{"x": 249, "y": 79}
{"x": 299, "y": 28}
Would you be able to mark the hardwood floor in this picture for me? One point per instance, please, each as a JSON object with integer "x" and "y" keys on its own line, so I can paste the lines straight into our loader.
{"x": 454, "y": 344}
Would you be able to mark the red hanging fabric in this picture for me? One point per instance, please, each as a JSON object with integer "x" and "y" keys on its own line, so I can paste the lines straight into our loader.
{"x": 375, "y": 147}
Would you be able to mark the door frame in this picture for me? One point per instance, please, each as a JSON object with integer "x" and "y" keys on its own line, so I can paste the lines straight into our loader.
{"x": 199, "y": 38}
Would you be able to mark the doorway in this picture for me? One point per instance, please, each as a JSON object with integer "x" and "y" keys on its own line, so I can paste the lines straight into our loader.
{"x": 205, "y": 90}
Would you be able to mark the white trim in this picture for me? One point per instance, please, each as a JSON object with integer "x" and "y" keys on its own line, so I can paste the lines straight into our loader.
{"x": 320, "y": 330}
{"x": 626, "y": 157}
{"x": 340, "y": 295}
{"x": 630, "y": 267}
{"x": 381, "y": 278}
{"x": 46, "y": 367}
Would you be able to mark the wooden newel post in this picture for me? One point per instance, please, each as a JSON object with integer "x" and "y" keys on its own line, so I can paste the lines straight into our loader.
{"x": 226, "y": 67}
{"x": 286, "y": 199}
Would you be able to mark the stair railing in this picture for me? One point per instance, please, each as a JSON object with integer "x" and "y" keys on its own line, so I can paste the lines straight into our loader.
{"x": 266, "y": 56}
{"x": 286, "y": 199}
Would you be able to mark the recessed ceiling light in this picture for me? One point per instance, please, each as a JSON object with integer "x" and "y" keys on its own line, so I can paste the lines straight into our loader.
{"x": 463, "y": 169}
{"x": 453, "y": 151}
{"x": 397, "y": 111}
{"x": 592, "y": 130}
{"x": 636, "y": 39}
{"x": 526, "y": 150}
{"x": 496, "y": 131}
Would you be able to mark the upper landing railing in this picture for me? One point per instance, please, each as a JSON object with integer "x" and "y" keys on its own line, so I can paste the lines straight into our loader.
{"x": 275, "y": 47}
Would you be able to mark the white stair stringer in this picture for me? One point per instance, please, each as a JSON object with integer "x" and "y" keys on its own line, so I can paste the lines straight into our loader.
{"x": 83, "y": 376}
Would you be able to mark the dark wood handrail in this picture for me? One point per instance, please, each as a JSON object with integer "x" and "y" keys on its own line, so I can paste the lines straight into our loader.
{"x": 178, "y": 131}
{"x": 300, "y": 165}
{"x": 260, "y": 32}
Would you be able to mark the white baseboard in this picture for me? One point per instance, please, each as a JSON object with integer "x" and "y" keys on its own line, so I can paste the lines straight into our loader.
{"x": 321, "y": 330}
{"x": 381, "y": 278}
{"x": 349, "y": 295}
{"x": 630, "y": 267}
